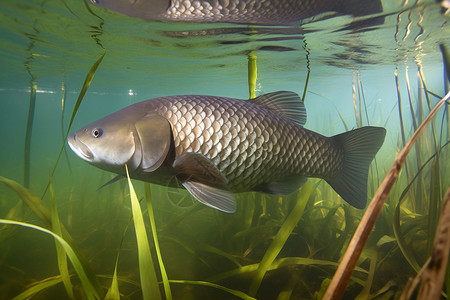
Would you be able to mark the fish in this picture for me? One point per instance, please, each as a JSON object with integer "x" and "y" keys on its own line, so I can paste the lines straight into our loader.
{"x": 260, "y": 12}
{"x": 216, "y": 147}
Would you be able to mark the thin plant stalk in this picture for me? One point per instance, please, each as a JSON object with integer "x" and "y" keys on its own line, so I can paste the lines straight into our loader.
{"x": 308, "y": 67}
{"x": 396, "y": 225}
{"x": 63, "y": 105}
{"x": 28, "y": 134}
{"x": 252, "y": 74}
{"x": 342, "y": 276}
{"x": 281, "y": 238}
{"x": 359, "y": 100}
{"x": 408, "y": 88}
{"x": 60, "y": 253}
{"x": 355, "y": 106}
{"x": 402, "y": 130}
{"x": 433, "y": 276}
{"x": 151, "y": 216}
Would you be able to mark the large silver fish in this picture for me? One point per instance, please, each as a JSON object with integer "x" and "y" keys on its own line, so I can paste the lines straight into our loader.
{"x": 264, "y": 12}
{"x": 217, "y": 146}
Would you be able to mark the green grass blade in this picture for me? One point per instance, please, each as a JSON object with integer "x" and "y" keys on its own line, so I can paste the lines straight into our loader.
{"x": 281, "y": 237}
{"x": 396, "y": 224}
{"x": 239, "y": 294}
{"x": 61, "y": 255}
{"x": 113, "y": 291}
{"x": 38, "y": 287}
{"x": 434, "y": 209}
{"x": 33, "y": 202}
{"x": 149, "y": 282}
{"x": 87, "y": 286}
{"x": 411, "y": 108}
{"x": 86, "y": 84}
{"x": 165, "y": 279}
{"x": 446, "y": 59}
{"x": 364, "y": 100}
{"x": 280, "y": 263}
{"x": 365, "y": 293}
{"x": 42, "y": 211}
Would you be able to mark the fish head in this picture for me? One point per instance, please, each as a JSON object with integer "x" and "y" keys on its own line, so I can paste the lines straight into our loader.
{"x": 108, "y": 144}
{"x": 147, "y": 9}
{"x": 129, "y": 136}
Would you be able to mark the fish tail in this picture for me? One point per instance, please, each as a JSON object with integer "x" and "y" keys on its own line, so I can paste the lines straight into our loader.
{"x": 359, "y": 147}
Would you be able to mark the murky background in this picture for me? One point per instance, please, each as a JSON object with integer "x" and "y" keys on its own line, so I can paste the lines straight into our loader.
{"x": 53, "y": 44}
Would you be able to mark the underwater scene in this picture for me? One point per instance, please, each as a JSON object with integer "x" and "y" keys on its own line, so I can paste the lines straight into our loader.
{"x": 279, "y": 127}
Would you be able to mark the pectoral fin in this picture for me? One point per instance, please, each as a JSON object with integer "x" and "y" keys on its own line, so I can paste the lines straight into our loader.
{"x": 154, "y": 133}
{"x": 220, "y": 199}
{"x": 117, "y": 178}
{"x": 204, "y": 181}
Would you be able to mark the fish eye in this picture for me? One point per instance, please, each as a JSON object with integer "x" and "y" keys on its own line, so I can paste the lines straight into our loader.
{"x": 97, "y": 132}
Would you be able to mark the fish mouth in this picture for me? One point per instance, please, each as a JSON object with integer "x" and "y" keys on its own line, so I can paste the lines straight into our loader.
{"x": 80, "y": 148}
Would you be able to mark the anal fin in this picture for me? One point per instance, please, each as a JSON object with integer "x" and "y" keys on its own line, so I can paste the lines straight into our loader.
{"x": 283, "y": 186}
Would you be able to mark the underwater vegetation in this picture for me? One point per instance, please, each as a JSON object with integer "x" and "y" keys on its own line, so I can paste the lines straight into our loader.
{"x": 272, "y": 248}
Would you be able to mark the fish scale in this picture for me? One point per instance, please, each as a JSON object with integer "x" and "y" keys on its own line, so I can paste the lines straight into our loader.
{"x": 263, "y": 12}
{"x": 248, "y": 143}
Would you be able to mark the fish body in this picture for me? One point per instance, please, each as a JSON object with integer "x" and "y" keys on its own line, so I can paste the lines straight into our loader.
{"x": 218, "y": 146}
{"x": 264, "y": 12}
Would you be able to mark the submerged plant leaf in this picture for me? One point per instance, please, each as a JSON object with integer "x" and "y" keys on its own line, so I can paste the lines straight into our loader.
{"x": 61, "y": 255}
{"x": 280, "y": 263}
{"x": 33, "y": 202}
{"x": 86, "y": 283}
{"x": 281, "y": 237}
{"x": 38, "y": 287}
{"x": 86, "y": 84}
{"x": 446, "y": 59}
{"x": 399, "y": 236}
{"x": 42, "y": 211}
{"x": 113, "y": 291}
{"x": 239, "y": 294}
{"x": 165, "y": 279}
{"x": 351, "y": 256}
{"x": 149, "y": 282}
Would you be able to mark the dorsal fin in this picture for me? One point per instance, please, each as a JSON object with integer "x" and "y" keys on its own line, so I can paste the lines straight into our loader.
{"x": 285, "y": 103}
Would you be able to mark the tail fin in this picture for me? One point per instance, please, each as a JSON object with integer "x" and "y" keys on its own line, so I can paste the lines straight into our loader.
{"x": 360, "y": 146}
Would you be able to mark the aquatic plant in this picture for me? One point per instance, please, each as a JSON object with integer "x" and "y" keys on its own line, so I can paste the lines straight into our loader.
{"x": 271, "y": 248}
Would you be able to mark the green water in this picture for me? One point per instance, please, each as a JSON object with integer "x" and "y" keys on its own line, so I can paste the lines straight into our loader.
{"x": 54, "y": 44}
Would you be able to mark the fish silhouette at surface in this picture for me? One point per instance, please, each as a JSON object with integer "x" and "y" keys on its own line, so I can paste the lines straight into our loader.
{"x": 261, "y": 12}
{"x": 216, "y": 146}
